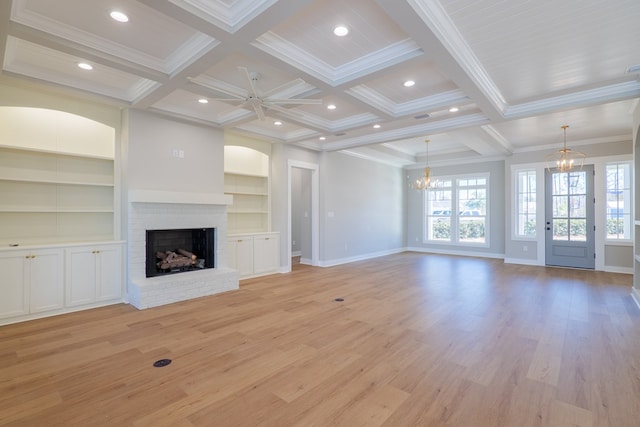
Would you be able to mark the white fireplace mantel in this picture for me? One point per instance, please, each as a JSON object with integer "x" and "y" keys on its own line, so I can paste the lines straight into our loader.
{"x": 156, "y": 196}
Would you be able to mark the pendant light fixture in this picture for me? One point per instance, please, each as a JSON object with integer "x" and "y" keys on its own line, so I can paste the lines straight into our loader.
{"x": 565, "y": 160}
{"x": 425, "y": 182}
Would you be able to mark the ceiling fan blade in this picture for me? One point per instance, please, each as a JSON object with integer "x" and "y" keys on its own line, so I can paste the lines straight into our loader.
{"x": 284, "y": 87}
{"x": 219, "y": 86}
{"x": 282, "y": 110}
{"x": 259, "y": 111}
{"x": 252, "y": 84}
{"x": 227, "y": 99}
{"x": 299, "y": 101}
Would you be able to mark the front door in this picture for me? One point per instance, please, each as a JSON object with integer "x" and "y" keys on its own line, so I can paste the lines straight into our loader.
{"x": 569, "y": 223}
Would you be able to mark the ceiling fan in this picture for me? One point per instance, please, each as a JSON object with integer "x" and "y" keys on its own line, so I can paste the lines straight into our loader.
{"x": 257, "y": 100}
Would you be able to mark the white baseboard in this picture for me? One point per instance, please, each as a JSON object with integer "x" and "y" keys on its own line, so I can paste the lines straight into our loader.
{"x": 296, "y": 253}
{"x": 522, "y": 261}
{"x": 614, "y": 269}
{"x": 457, "y": 252}
{"x": 635, "y": 294}
{"x": 335, "y": 262}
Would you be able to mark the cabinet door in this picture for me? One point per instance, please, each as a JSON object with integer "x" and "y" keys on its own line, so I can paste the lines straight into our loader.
{"x": 14, "y": 300}
{"x": 109, "y": 272}
{"x": 80, "y": 275}
{"x": 266, "y": 254}
{"x": 241, "y": 255}
{"x": 46, "y": 291}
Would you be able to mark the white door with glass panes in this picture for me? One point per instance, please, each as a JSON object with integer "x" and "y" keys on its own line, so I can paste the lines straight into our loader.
{"x": 569, "y": 219}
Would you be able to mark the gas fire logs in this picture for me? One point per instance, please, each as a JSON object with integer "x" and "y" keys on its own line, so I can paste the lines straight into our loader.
{"x": 178, "y": 259}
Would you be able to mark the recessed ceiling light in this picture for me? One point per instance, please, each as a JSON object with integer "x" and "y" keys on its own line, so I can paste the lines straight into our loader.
{"x": 408, "y": 83}
{"x": 322, "y": 138}
{"x": 331, "y": 107}
{"x": 203, "y": 101}
{"x": 85, "y": 66}
{"x": 341, "y": 30}
{"x": 119, "y": 16}
{"x": 376, "y": 126}
{"x": 277, "y": 123}
{"x": 454, "y": 109}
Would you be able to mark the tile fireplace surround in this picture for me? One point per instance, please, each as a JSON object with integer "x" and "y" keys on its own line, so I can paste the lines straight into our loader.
{"x": 158, "y": 210}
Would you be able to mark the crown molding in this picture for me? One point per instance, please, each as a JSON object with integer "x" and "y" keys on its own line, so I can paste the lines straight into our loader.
{"x": 436, "y": 18}
{"x": 275, "y": 135}
{"x": 610, "y": 93}
{"x": 230, "y": 18}
{"x": 384, "y": 104}
{"x": 498, "y": 137}
{"x": 288, "y": 52}
{"x": 410, "y": 131}
{"x": 197, "y": 46}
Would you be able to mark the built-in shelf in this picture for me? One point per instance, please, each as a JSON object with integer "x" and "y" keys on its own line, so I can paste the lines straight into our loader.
{"x": 54, "y": 152}
{"x": 57, "y": 182}
{"x": 249, "y": 211}
{"x": 53, "y": 210}
{"x": 51, "y": 197}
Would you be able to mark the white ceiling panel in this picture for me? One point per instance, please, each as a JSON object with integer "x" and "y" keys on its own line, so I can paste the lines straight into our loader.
{"x": 531, "y": 48}
{"x": 149, "y": 38}
{"x": 38, "y": 62}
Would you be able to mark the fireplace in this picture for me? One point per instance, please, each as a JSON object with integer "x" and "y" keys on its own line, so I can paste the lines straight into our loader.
{"x": 179, "y": 250}
{"x": 159, "y": 210}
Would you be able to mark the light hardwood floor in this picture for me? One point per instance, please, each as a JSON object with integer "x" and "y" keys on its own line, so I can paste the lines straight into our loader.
{"x": 424, "y": 340}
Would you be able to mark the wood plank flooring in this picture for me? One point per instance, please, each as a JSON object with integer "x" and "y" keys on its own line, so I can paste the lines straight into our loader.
{"x": 419, "y": 340}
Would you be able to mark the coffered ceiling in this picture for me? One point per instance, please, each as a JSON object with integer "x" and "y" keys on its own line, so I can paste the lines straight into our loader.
{"x": 516, "y": 71}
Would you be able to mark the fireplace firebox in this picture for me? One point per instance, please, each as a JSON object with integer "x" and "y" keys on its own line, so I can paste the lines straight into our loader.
{"x": 179, "y": 251}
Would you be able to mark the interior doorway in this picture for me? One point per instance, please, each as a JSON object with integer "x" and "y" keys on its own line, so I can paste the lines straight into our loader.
{"x": 303, "y": 212}
{"x": 569, "y": 219}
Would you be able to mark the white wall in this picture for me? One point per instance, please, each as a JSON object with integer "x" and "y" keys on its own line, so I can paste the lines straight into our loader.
{"x": 151, "y": 164}
{"x": 361, "y": 208}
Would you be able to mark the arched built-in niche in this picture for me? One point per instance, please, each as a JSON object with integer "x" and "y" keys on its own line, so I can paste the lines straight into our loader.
{"x": 56, "y": 177}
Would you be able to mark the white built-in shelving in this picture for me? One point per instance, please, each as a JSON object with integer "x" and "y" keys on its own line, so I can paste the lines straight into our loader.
{"x": 252, "y": 248}
{"x": 52, "y": 197}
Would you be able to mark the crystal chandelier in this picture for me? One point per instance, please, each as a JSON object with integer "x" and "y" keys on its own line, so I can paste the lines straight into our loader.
{"x": 425, "y": 182}
{"x": 566, "y": 159}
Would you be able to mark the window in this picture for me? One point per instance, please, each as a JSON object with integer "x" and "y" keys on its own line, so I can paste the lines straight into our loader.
{"x": 440, "y": 205}
{"x": 456, "y": 211}
{"x": 525, "y": 219}
{"x": 618, "y": 219}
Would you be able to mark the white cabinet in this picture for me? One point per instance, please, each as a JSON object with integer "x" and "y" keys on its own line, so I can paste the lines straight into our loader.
{"x": 93, "y": 274}
{"x": 254, "y": 255}
{"x": 15, "y": 296}
{"x": 45, "y": 280}
{"x": 41, "y": 281}
{"x": 266, "y": 253}
{"x": 240, "y": 254}
{"x": 32, "y": 282}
